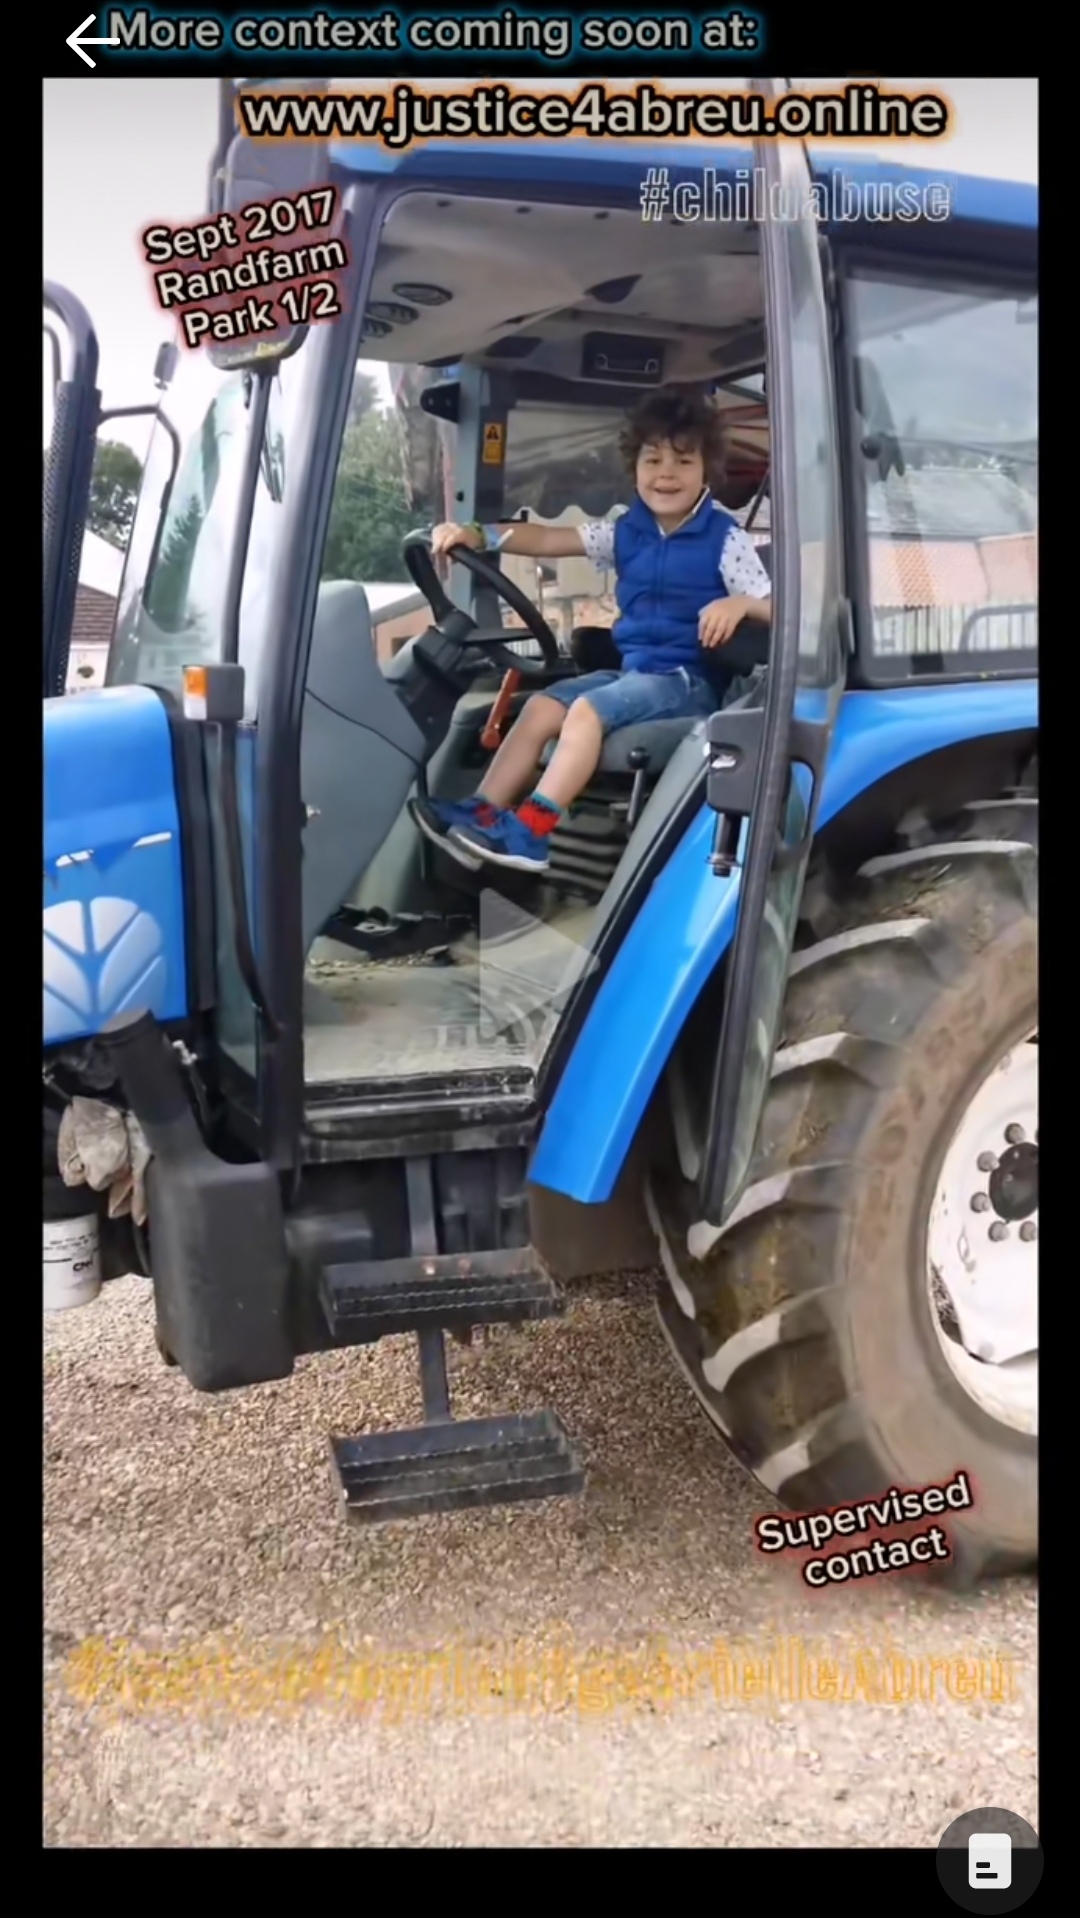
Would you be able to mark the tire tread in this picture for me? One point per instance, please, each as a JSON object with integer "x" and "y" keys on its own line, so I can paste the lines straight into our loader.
{"x": 769, "y": 1314}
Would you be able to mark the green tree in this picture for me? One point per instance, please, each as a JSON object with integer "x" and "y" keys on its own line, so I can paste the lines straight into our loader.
{"x": 426, "y": 442}
{"x": 167, "y": 599}
{"x": 114, "y": 489}
{"x": 364, "y": 397}
{"x": 370, "y": 513}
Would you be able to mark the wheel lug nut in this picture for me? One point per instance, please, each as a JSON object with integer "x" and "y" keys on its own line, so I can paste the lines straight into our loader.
{"x": 1014, "y": 1134}
{"x": 987, "y": 1162}
{"x": 1028, "y": 1232}
{"x": 998, "y": 1231}
{"x": 980, "y": 1202}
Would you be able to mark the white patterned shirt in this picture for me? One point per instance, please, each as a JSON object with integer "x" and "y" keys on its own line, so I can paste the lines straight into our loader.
{"x": 741, "y": 570}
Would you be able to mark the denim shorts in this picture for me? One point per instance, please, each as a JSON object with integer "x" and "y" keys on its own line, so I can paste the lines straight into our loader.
{"x": 633, "y": 699}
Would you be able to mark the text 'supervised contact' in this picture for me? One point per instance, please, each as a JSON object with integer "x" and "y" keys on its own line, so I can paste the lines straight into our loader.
{"x": 811, "y": 1530}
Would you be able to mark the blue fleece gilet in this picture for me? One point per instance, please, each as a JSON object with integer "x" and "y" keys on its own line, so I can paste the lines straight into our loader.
{"x": 663, "y": 582}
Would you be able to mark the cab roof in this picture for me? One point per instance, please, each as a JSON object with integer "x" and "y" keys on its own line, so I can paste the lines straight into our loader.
{"x": 580, "y": 169}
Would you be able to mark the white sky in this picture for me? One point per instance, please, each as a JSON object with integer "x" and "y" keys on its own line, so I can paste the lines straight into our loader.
{"x": 121, "y": 154}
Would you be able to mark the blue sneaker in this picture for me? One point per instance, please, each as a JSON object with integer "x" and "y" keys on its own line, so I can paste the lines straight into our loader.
{"x": 436, "y": 818}
{"x": 508, "y": 842}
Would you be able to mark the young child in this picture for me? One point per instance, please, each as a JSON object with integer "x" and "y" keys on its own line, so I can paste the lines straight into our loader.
{"x": 687, "y": 576}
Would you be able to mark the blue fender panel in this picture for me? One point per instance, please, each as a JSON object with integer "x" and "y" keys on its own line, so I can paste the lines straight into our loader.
{"x": 113, "y": 914}
{"x": 687, "y": 921}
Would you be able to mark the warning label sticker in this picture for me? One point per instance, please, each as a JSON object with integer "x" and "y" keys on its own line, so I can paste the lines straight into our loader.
{"x": 494, "y": 442}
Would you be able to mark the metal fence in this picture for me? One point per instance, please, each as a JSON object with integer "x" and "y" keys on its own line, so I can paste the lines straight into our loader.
{"x": 904, "y": 631}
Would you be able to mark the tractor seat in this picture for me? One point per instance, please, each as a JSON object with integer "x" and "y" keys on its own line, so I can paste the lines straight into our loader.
{"x": 593, "y": 650}
{"x": 660, "y": 739}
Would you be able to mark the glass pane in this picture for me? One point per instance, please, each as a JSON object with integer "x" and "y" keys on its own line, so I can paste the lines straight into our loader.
{"x": 145, "y": 527}
{"x": 564, "y": 465}
{"x": 285, "y": 409}
{"x": 816, "y": 480}
{"x": 771, "y": 961}
{"x": 948, "y": 376}
{"x": 394, "y": 475}
{"x": 820, "y": 660}
{"x": 288, "y": 407}
{"x": 172, "y": 606}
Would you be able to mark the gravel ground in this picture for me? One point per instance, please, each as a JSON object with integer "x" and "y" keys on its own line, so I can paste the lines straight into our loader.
{"x": 227, "y": 1663}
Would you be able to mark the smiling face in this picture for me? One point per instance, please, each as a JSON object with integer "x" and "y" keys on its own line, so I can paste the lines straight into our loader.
{"x": 670, "y": 478}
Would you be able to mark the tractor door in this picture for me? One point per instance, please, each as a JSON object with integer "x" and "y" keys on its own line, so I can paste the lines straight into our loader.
{"x": 221, "y": 571}
{"x": 766, "y": 764}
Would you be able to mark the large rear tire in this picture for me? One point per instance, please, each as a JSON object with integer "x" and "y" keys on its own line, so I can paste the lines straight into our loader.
{"x": 887, "y": 1229}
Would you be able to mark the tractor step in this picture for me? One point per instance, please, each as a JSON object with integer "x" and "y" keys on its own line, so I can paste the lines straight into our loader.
{"x": 454, "y": 1465}
{"x": 444, "y": 1465}
{"x": 452, "y": 1291}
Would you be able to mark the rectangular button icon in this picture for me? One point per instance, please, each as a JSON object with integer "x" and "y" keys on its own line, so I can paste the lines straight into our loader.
{"x": 990, "y": 1860}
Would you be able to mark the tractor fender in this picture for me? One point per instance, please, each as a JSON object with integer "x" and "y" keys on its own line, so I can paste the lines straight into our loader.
{"x": 687, "y": 923}
{"x": 113, "y": 920}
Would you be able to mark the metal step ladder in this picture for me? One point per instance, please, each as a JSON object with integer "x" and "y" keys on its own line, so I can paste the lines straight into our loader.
{"x": 445, "y": 1464}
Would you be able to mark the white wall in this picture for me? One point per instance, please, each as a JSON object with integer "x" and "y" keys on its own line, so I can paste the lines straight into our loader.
{"x": 101, "y": 565}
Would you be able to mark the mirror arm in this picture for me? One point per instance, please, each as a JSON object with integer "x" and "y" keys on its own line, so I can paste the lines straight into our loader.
{"x": 54, "y": 343}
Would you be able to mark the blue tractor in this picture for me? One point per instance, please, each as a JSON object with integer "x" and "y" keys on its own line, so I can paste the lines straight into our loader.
{"x": 767, "y": 1025}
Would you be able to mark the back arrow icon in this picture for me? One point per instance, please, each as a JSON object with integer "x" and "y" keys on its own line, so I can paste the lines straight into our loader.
{"x": 76, "y": 42}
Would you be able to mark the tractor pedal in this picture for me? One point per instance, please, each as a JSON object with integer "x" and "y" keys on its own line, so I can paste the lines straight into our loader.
{"x": 452, "y": 1466}
{"x": 448, "y": 1291}
{"x": 382, "y": 935}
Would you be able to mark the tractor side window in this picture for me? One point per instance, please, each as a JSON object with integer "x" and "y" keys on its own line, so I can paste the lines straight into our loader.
{"x": 946, "y": 394}
{"x": 393, "y": 475}
{"x": 174, "y": 592}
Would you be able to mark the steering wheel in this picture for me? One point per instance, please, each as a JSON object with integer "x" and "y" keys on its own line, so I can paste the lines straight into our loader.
{"x": 462, "y": 631}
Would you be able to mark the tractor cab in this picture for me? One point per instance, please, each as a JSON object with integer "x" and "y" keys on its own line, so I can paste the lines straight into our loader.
{"x": 414, "y": 955}
{"x": 509, "y": 338}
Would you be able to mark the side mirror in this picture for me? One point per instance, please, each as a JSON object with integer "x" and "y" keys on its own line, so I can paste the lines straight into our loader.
{"x": 165, "y": 365}
{"x": 245, "y": 171}
{"x": 881, "y": 443}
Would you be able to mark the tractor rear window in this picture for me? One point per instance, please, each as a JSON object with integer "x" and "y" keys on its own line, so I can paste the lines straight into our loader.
{"x": 946, "y": 397}
{"x": 563, "y": 465}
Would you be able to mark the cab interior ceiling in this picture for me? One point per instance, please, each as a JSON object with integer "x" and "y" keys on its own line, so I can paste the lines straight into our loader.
{"x": 527, "y": 281}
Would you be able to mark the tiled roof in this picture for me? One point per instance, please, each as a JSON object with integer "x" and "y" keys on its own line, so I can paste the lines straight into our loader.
{"x": 95, "y": 614}
{"x": 955, "y": 572}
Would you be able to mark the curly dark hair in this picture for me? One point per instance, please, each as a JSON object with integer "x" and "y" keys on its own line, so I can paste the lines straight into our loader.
{"x": 689, "y": 421}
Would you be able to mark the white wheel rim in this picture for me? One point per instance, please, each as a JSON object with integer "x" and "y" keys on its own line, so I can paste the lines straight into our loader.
{"x": 982, "y": 1244}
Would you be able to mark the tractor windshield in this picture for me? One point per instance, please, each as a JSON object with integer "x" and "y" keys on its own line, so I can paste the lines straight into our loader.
{"x": 174, "y": 584}
{"x": 175, "y": 590}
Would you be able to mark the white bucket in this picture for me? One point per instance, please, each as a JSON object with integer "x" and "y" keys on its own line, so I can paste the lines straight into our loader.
{"x": 70, "y": 1262}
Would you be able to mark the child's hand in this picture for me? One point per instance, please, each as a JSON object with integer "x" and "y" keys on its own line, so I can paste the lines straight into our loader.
{"x": 718, "y": 620}
{"x": 450, "y": 534}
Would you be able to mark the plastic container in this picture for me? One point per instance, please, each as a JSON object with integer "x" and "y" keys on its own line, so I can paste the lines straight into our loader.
{"x": 70, "y": 1246}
